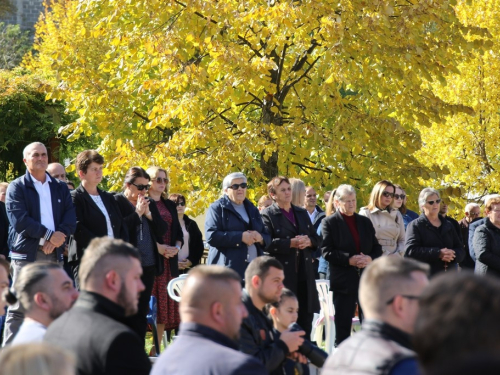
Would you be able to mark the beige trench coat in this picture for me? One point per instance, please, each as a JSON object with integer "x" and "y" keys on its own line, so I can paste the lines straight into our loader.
{"x": 389, "y": 229}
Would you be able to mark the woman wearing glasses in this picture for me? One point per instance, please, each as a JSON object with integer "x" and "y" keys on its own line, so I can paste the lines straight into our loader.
{"x": 431, "y": 238}
{"x": 233, "y": 227}
{"x": 168, "y": 310}
{"x": 191, "y": 252}
{"x": 388, "y": 222}
{"x": 294, "y": 241}
{"x": 146, "y": 229}
{"x": 399, "y": 203}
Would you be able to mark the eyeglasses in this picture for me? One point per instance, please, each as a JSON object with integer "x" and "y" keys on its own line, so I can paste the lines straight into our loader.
{"x": 399, "y": 196}
{"x": 436, "y": 201}
{"x": 182, "y": 204}
{"x": 402, "y": 295}
{"x": 474, "y": 213}
{"x": 243, "y": 185}
{"x": 160, "y": 180}
{"x": 141, "y": 187}
{"x": 388, "y": 194}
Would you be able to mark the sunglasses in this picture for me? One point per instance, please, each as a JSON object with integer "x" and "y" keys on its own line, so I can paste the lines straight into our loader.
{"x": 399, "y": 196}
{"x": 160, "y": 180}
{"x": 182, "y": 204}
{"x": 432, "y": 202}
{"x": 243, "y": 185}
{"x": 141, "y": 187}
{"x": 387, "y": 194}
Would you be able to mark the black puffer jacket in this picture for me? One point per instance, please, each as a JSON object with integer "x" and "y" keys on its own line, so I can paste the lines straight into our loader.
{"x": 487, "y": 248}
{"x": 257, "y": 339}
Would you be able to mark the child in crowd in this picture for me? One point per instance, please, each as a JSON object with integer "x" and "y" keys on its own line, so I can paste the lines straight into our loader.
{"x": 283, "y": 313}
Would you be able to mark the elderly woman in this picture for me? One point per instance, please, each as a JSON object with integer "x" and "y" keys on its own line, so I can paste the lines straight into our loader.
{"x": 233, "y": 227}
{"x": 431, "y": 238}
{"x": 146, "y": 229}
{"x": 294, "y": 241}
{"x": 97, "y": 213}
{"x": 487, "y": 240}
{"x": 388, "y": 222}
{"x": 349, "y": 245}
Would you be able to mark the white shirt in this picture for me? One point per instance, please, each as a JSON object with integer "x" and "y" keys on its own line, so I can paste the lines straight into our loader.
{"x": 46, "y": 214}
{"x": 30, "y": 331}
{"x": 313, "y": 215}
{"x": 97, "y": 199}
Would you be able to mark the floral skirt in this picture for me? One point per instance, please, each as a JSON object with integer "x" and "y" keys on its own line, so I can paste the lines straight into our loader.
{"x": 168, "y": 309}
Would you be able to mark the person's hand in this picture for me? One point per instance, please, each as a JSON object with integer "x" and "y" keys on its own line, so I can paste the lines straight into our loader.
{"x": 142, "y": 206}
{"x": 48, "y": 248}
{"x": 57, "y": 239}
{"x": 247, "y": 238}
{"x": 364, "y": 260}
{"x": 256, "y": 236}
{"x": 171, "y": 251}
{"x": 353, "y": 261}
{"x": 298, "y": 357}
{"x": 294, "y": 242}
{"x": 161, "y": 248}
{"x": 183, "y": 264}
{"x": 304, "y": 241}
{"x": 292, "y": 339}
{"x": 447, "y": 255}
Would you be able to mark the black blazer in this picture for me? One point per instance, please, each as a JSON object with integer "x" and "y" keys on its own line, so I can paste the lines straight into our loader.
{"x": 487, "y": 246}
{"x": 157, "y": 226}
{"x": 196, "y": 246}
{"x": 4, "y": 230}
{"x": 91, "y": 222}
{"x": 424, "y": 242}
{"x": 338, "y": 246}
{"x": 282, "y": 231}
{"x": 94, "y": 332}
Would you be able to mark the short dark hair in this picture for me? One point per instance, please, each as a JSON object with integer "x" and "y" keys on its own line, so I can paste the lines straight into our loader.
{"x": 134, "y": 173}
{"x": 458, "y": 318}
{"x": 272, "y": 186}
{"x": 260, "y": 267}
{"x": 87, "y": 157}
{"x": 177, "y": 198}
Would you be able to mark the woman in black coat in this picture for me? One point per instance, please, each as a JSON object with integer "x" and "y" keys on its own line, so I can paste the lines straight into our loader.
{"x": 192, "y": 250}
{"x": 487, "y": 240}
{"x": 97, "y": 213}
{"x": 146, "y": 229}
{"x": 293, "y": 242}
{"x": 349, "y": 245}
{"x": 431, "y": 238}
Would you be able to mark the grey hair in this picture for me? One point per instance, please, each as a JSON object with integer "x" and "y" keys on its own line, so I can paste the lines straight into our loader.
{"x": 486, "y": 198}
{"x": 25, "y": 151}
{"x": 470, "y": 206}
{"x": 344, "y": 190}
{"x": 424, "y": 194}
{"x": 230, "y": 177}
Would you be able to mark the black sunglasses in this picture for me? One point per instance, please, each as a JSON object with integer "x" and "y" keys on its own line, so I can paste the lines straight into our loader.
{"x": 182, "y": 204}
{"x": 141, "y": 187}
{"x": 404, "y": 296}
{"x": 399, "y": 196}
{"x": 388, "y": 194}
{"x": 160, "y": 180}
{"x": 243, "y": 185}
{"x": 436, "y": 201}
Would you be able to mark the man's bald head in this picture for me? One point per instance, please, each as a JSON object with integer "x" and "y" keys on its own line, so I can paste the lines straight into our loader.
{"x": 57, "y": 170}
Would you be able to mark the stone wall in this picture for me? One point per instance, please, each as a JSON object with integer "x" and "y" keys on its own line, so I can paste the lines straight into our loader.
{"x": 26, "y": 14}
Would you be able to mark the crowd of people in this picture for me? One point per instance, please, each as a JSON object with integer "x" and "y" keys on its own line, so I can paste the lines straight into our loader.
{"x": 84, "y": 263}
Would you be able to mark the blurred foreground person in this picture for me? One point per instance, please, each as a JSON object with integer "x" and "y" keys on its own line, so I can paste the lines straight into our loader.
{"x": 211, "y": 312}
{"x": 388, "y": 293}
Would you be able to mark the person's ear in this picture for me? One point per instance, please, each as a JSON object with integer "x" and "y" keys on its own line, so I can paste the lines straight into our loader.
{"x": 43, "y": 301}
{"x": 81, "y": 174}
{"x": 113, "y": 280}
{"x": 273, "y": 311}
{"x": 255, "y": 282}
{"x": 217, "y": 312}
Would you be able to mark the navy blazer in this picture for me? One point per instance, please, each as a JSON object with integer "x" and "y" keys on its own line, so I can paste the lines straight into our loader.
{"x": 200, "y": 350}
{"x": 424, "y": 242}
{"x": 23, "y": 210}
{"x": 4, "y": 230}
{"x": 338, "y": 246}
{"x": 224, "y": 229}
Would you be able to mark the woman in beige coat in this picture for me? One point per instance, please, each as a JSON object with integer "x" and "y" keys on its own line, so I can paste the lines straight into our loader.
{"x": 388, "y": 222}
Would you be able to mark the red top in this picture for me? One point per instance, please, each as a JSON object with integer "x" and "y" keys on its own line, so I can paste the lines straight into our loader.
{"x": 353, "y": 228}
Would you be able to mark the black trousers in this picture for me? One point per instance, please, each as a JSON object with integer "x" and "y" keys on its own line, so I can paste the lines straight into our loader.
{"x": 345, "y": 307}
{"x": 138, "y": 322}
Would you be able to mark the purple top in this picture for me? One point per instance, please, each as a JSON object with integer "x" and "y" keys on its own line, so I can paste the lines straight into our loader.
{"x": 289, "y": 215}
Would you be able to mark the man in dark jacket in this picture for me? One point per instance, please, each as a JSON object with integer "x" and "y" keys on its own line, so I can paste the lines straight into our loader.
{"x": 93, "y": 329}
{"x": 211, "y": 312}
{"x": 388, "y": 292}
{"x": 41, "y": 216}
{"x": 264, "y": 283}
{"x": 472, "y": 212}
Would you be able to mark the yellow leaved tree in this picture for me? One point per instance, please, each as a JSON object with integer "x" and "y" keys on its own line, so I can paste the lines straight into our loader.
{"x": 328, "y": 91}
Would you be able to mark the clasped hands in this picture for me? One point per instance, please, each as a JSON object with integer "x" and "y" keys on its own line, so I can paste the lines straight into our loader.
{"x": 167, "y": 251}
{"x": 56, "y": 240}
{"x": 360, "y": 261}
{"x": 251, "y": 236}
{"x": 300, "y": 242}
{"x": 447, "y": 255}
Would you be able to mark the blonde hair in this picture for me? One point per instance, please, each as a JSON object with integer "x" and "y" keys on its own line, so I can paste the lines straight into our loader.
{"x": 36, "y": 358}
{"x": 298, "y": 186}
{"x": 153, "y": 173}
{"x": 330, "y": 206}
{"x": 377, "y": 192}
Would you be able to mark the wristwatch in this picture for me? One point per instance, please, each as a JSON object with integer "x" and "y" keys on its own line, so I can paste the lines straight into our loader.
{"x": 178, "y": 247}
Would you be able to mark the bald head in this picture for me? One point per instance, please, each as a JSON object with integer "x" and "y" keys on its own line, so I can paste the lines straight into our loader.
{"x": 57, "y": 170}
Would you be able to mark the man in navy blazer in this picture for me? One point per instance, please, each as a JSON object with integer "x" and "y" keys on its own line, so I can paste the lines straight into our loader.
{"x": 41, "y": 216}
{"x": 211, "y": 313}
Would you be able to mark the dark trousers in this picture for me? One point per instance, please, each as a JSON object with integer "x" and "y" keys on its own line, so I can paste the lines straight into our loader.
{"x": 345, "y": 307}
{"x": 305, "y": 317}
{"x": 138, "y": 322}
